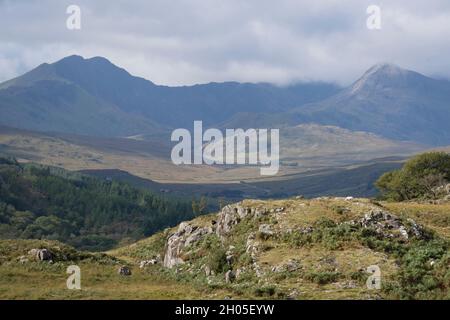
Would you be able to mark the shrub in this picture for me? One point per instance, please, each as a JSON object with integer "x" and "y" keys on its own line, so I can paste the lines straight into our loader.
{"x": 265, "y": 291}
{"x": 217, "y": 260}
{"x": 323, "y": 277}
{"x": 418, "y": 178}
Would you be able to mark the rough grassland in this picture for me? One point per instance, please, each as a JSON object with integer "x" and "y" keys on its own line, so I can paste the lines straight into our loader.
{"x": 331, "y": 267}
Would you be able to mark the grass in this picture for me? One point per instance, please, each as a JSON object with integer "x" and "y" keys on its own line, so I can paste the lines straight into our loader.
{"x": 332, "y": 260}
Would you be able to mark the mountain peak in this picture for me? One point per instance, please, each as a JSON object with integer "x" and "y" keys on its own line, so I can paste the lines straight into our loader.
{"x": 385, "y": 68}
{"x": 381, "y": 75}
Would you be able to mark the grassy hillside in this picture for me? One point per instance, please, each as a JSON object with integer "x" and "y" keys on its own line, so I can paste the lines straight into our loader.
{"x": 280, "y": 249}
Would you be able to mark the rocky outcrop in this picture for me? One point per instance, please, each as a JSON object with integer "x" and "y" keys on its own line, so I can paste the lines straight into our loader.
{"x": 41, "y": 254}
{"x": 390, "y": 226}
{"x": 186, "y": 236}
{"x": 229, "y": 216}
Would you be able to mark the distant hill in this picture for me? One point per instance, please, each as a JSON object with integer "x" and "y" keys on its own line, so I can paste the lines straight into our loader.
{"x": 391, "y": 102}
{"x": 95, "y": 97}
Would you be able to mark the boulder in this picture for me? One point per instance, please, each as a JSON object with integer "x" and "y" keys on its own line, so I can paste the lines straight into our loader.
{"x": 265, "y": 230}
{"x": 124, "y": 271}
{"x": 229, "y": 276}
{"x": 41, "y": 254}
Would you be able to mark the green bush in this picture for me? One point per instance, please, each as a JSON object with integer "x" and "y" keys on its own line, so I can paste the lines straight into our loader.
{"x": 323, "y": 277}
{"x": 217, "y": 260}
{"x": 265, "y": 291}
{"x": 418, "y": 178}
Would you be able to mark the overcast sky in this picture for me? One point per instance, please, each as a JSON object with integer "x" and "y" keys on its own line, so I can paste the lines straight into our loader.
{"x": 187, "y": 42}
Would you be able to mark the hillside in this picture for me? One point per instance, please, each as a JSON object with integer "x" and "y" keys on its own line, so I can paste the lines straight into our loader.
{"x": 284, "y": 249}
{"x": 96, "y": 214}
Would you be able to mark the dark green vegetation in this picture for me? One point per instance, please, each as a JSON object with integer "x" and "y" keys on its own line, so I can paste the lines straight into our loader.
{"x": 39, "y": 202}
{"x": 418, "y": 178}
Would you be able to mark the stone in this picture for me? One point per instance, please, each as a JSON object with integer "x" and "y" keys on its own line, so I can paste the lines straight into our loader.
{"x": 33, "y": 252}
{"x": 228, "y": 217}
{"x": 265, "y": 230}
{"x": 124, "y": 271}
{"x": 146, "y": 263}
{"x": 185, "y": 237}
{"x": 293, "y": 294}
{"x": 291, "y": 266}
{"x": 390, "y": 226}
{"x": 229, "y": 276}
{"x": 44, "y": 255}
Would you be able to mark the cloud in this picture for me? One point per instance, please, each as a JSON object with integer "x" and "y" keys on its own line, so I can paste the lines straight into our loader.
{"x": 193, "y": 41}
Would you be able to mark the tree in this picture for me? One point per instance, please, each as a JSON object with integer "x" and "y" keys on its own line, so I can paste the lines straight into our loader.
{"x": 418, "y": 178}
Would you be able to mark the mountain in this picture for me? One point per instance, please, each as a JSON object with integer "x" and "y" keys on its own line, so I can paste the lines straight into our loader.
{"x": 389, "y": 101}
{"x": 95, "y": 97}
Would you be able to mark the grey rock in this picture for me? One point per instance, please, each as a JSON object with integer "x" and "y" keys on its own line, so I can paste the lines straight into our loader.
{"x": 44, "y": 255}
{"x": 387, "y": 225}
{"x": 266, "y": 230}
{"x": 229, "y": 276}
{"x": 185, "y": 237}
{"x": 124, "y": 271}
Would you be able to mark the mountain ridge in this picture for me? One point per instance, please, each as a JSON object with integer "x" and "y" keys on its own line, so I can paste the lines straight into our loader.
{"x": 95, "y": 97}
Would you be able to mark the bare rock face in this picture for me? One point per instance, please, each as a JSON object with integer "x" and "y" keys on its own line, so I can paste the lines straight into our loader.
{"x": 185, "y": 237}
{"x": 229, "y": 216}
